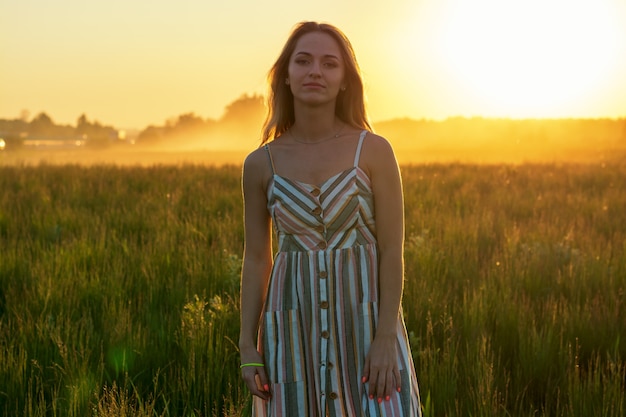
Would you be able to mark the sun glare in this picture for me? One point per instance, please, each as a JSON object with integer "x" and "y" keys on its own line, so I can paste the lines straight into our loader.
{"x": 532, "y": 58}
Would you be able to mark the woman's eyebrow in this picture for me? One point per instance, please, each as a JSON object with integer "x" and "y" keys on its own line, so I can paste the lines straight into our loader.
{"x": 325, "y": 56}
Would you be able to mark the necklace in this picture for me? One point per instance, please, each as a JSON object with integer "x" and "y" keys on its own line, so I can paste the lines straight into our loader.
{"x": 335, "y": 136}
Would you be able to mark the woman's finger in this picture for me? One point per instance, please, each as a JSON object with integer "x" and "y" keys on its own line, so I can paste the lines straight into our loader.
{"x": 380, "y": 386}
{"x": 256, "y": 381}
{"x": 263, "y": 382}
{"x": 366, "y": 370}
{"x": 373, "y": 383}
{"x": 398, "y": 379}
{"x": 389, "y": 379}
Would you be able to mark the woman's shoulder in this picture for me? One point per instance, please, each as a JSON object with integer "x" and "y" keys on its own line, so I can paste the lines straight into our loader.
{"x": 257, "y": 163}
{"x": 254, "y": 157}
{"x": 377, "y": 146}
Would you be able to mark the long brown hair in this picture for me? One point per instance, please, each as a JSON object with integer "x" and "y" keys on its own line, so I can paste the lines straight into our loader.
{"x": 350, "y": 107}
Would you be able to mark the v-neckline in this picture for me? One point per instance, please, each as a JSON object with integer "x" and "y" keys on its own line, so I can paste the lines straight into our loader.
{"x": 311, "y": 185}
{"x": 324, "y": 183}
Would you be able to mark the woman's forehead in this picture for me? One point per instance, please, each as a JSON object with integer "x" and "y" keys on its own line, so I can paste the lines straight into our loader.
{"x": 317, "y": 43}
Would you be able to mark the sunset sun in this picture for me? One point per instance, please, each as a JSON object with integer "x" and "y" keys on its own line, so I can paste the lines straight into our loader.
{"x": 531, "y": 58}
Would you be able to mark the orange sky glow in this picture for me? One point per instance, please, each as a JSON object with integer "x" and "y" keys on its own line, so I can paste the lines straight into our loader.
{"x": 132, "y": 64}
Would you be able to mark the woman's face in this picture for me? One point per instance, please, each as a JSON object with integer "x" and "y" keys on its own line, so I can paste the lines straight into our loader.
{"x": 316, "y": 69}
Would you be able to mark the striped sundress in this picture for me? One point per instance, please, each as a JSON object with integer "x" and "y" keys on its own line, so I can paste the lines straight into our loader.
{"x": 321, "y": 309}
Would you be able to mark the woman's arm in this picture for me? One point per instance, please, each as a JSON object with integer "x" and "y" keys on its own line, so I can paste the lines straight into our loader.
{"x": 381, "y": 368}
{"x": 257, "y": 263}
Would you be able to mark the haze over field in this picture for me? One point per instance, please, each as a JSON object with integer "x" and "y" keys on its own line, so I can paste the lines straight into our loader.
{"x": 190, "y": 139}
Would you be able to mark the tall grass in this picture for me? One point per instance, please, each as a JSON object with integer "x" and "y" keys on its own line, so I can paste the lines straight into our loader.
{"x": 515, "y": 288}
{"x": 119, "y": 290}
{"x": 117, "y": 287}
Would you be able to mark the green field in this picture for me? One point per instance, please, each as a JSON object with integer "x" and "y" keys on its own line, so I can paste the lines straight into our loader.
{"x": 119, "y": 289}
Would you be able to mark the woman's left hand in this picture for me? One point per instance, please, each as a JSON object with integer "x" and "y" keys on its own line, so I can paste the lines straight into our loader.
{"x": 381, "y": 368}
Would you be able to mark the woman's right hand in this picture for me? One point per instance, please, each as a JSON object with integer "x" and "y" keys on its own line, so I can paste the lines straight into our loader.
{"x": 255, "y": 377}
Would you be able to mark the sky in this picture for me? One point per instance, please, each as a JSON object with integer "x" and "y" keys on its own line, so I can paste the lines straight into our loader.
{"x": 133, "y": 63}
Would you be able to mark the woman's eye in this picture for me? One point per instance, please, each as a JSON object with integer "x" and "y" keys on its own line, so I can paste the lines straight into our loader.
{"x": 302, "y": 61}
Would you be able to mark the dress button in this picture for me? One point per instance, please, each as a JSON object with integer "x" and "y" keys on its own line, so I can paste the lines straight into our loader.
{"x": 322, "y": 245}
{"x": 324, "y": 304}
{"x": 315, "y": 192}
{"x": 323, "y": 274}
{"x": 320, "y": 229}
{"x": 333, "y": 395}
{"x": 316, "y": 210}
{"x": 325, "y": 334}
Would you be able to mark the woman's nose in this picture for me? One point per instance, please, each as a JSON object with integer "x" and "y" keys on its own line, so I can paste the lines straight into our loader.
{"x": 315, "y": 70}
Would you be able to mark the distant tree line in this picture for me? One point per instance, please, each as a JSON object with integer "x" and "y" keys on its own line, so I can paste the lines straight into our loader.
{"x": 476, "y": 132}
{"x": 16, "y": 131}
{"x": 239, "y": 128}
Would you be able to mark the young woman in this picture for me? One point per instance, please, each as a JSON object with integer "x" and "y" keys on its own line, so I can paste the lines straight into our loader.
{"x": 322, "y": 332}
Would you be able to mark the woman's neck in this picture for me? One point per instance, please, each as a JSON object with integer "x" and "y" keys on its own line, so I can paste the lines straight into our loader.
{"x": 314, "y": 124}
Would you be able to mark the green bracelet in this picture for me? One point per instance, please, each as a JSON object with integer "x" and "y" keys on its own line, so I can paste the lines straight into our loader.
{"x": 251, "y": 364}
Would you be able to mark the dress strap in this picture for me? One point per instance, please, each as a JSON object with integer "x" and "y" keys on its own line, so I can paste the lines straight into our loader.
{"x": 269, "y": 154}
{"x": 358, "y": 148}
